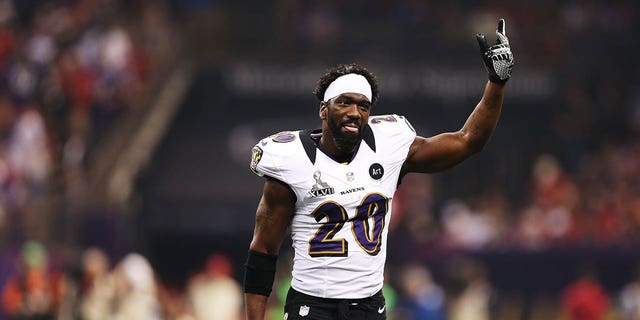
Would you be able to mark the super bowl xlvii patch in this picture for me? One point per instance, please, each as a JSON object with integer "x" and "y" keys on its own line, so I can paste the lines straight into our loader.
{"x": 320, "y": 188}
{"x": 256, "y": 156}
{"x": 304, "y": 311}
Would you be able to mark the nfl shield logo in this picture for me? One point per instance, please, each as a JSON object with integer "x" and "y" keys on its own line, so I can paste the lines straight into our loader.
{"x": 349, "y": 176}
{"x": 304, "y": 311}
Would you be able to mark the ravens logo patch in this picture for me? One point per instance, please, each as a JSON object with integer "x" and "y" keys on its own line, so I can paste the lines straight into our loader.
{"x": 256, "y": 156}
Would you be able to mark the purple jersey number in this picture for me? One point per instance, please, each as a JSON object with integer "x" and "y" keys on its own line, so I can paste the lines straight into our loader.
{"x": 367, "y": 227}
{"x": 323, "y": 244}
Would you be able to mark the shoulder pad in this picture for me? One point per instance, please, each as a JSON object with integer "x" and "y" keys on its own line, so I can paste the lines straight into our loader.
{"x": 283, "y": 137}
{"x": 271, "y": 151}
{"x": 390, "y": 120}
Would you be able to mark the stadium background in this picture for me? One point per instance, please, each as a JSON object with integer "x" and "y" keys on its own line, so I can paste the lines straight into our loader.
{"x": 126, "y": 126}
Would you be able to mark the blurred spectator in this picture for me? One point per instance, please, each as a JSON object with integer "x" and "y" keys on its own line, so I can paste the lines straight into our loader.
{"x": 97, "y": 286}
{"x": 551, "y": 188}
{"x": 423, "y": 299}
{"x": 214, "y": 293}
{"x": 466, "y": 228}
{"x": 629, "y": 300}
{"x": 554, "y": 198}
{"x": 33, "y": 291}
{"x": 174, "y": 303}
{"x": 135, "y": 290}
{"x": 413, "y": 207}
{"x": 29, "y": 152}
{"x": 479, "y": 299}
{"x": 530, "y": 231}
{"x": 585, "y": 299}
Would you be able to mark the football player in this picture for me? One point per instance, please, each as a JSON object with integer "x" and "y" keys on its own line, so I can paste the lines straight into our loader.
{"x": 334, "y": 187}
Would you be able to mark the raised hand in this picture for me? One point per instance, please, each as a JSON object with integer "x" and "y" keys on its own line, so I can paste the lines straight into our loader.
{"x": 498, "y": 58}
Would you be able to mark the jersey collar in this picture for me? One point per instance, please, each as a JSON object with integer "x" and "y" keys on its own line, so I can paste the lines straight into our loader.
{"x": 310, "y": 146}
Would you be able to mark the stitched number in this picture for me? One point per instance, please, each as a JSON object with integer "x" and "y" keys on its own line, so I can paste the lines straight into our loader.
{"x": 366, "y": 227}
{"x": 323, "y": 244}
{"x": 369, "y": 222}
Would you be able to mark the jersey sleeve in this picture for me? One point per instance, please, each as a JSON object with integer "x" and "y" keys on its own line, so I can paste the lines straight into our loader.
{"x": 398, "y": 132}
{"x": 270, "y": 154}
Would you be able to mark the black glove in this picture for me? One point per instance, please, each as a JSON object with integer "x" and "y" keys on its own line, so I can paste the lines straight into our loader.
{"x": 498, "y": 58}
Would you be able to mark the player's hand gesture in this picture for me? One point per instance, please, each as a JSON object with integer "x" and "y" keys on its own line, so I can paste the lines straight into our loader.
{"x": 498, "y": 58}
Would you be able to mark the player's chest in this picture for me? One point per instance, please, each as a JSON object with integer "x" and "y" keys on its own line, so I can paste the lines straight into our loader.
{"x": 346, "y": 185}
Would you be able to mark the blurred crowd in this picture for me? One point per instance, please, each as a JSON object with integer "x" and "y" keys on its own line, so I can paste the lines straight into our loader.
{"x": 39, "y": 284}
{"x": 598, "y": 205}
{"x": 68, "y": 70}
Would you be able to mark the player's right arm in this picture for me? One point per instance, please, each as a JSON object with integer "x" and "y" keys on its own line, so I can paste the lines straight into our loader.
{"x": 273, "y": 217}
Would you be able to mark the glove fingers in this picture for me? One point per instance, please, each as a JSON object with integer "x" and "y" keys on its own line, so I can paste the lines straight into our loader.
{"x": 482, "y": 42}
{"x": 501, "y": 33}
{"x": 501, "y": 27}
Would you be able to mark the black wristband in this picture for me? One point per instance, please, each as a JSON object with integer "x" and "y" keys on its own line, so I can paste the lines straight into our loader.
{"x": 259, "y": 273}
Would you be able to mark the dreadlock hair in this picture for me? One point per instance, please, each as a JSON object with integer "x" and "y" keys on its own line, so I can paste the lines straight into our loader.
{"x": 341, "y": 70}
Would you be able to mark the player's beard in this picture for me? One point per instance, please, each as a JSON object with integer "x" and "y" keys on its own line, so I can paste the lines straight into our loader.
{"x": 346, "y": 142}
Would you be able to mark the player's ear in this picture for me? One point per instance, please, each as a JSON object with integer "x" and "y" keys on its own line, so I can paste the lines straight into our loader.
{"x": 323, "y": 110}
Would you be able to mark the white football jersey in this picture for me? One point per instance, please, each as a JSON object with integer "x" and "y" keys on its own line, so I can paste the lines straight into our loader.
{"x": 342, "y": 211}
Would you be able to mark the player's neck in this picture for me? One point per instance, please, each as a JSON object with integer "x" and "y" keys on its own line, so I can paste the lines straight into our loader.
{"x": 329, "y": 147}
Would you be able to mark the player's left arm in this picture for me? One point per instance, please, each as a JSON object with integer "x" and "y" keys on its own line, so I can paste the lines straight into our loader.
{"x": 445, "y": 150}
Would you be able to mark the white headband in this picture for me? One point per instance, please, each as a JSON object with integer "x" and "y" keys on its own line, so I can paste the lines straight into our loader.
{"x": 352, "y": 82}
